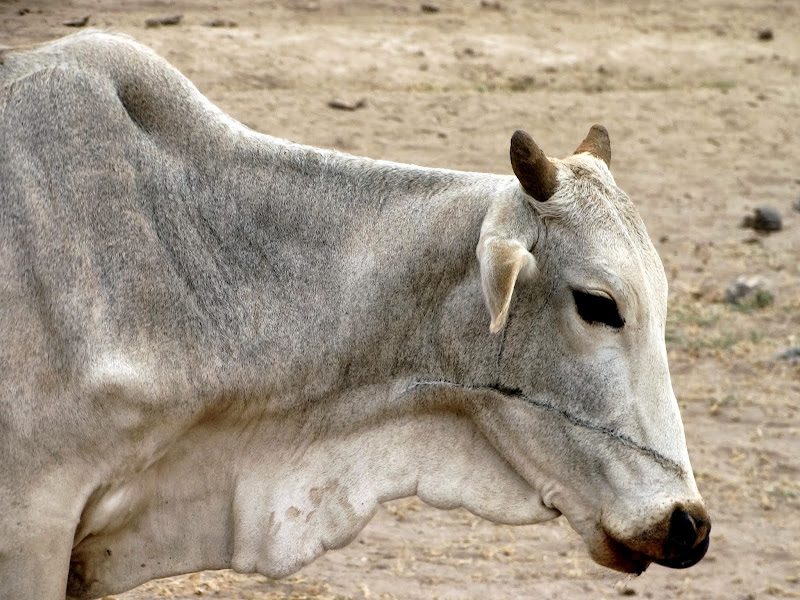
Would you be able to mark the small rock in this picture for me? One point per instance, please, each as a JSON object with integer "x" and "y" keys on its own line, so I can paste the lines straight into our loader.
{"x": 429, "y": 7}
{"x": 159, "y": 21}
{"x": 749, "y": 292}
{"x": 764, "y": 219}
{"x": 792, "y": 355}
{"x": 341, "y": 105}
{"x": 796, "y": 206}
{"x": 221, "y": 23}
{"x": 23, "y": 11}
{"x": 492, "y": 4}
{"x": 765, "y": 35}
{"x": 82, "y": 22}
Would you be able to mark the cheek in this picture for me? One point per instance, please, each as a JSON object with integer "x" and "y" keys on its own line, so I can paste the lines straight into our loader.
{"x": 576, "y": 337}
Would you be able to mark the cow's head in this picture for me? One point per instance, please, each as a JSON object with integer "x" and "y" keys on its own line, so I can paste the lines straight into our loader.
{"x": 577, "y": 298}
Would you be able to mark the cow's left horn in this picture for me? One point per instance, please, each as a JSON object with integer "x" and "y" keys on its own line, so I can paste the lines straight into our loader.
{"x": 535, "y": 172}
{"x": 597, "y": 144}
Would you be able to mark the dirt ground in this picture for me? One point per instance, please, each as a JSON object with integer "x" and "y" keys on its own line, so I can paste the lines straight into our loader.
{"x": 705, "y": 126}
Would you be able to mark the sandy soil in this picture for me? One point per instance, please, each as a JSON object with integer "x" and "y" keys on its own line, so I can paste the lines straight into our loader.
{"x": 705, "y": 125}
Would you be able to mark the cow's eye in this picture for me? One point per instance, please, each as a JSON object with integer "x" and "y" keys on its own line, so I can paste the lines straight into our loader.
{"x": 594, "y": 308}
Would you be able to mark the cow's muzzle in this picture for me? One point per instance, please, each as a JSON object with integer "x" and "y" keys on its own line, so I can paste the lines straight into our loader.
{"x": 679, "y": 541}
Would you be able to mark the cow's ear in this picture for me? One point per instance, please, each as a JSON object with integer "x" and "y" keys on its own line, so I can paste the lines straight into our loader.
{"x": 503, "y": 262}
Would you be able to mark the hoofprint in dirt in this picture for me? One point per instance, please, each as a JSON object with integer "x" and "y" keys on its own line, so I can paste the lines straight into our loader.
{"x": 702, "y": 111}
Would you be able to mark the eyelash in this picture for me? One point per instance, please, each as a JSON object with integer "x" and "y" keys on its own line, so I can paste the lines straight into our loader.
{"x": 594, "y": 308}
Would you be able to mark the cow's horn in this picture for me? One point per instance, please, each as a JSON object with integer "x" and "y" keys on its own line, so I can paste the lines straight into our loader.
{"x": 537, "y": 175}
{"x": 597, "y": 144}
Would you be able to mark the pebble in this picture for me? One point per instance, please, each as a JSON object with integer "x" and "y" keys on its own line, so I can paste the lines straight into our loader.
{"x": 159, "y": 21}
{"x": 342, "y": 105}
{"x": 82, "y": 22}
{"x": 792, "y": 355}
{"x": 765, "y": 35}
{"x": 220, "y": 23}
{"x": 429, "y": 7}
{"x": 492, "y": 4}
{"x": 764, "y": 219}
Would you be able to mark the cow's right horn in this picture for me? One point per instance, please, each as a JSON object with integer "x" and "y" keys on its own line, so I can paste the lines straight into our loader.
{"x": 536, "y": 174}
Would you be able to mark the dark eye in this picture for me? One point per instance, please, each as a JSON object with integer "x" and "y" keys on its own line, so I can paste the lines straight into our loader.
{"x": 594, "y": 308}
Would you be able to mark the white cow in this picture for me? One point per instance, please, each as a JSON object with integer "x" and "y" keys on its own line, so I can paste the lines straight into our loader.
{"x": 221, "y": 349}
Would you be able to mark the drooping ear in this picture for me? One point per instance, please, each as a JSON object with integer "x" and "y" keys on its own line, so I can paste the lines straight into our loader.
{"x": 503, "y": 262}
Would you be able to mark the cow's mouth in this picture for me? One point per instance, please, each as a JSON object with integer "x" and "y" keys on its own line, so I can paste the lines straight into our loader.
{"x": 618, "y": 556}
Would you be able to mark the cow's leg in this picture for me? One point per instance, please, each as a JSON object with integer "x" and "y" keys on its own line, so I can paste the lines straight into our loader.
{"x": 36, "y": 535}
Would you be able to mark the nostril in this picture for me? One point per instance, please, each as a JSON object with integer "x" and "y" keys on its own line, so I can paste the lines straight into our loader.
{"x": 683, "y": 531}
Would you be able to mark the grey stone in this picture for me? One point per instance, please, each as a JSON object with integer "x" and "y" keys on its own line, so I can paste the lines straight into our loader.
{"x": 792, "y": 355}
{"x": 764, "y": 219}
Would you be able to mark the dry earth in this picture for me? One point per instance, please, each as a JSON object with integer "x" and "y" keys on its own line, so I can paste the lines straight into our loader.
{"x": 705, "y": 126}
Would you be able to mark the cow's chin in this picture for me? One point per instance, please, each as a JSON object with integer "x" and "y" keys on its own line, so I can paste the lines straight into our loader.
{"x": 608, "y": 552}
{"x": 611, "y": 553}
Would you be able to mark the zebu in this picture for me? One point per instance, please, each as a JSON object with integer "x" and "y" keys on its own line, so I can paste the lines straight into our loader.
{"x": 221, "y": 349}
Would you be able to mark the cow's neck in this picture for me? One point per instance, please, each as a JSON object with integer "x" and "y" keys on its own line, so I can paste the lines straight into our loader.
{"x": 332, "y": 272}
{"x": 377, "y": 287}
